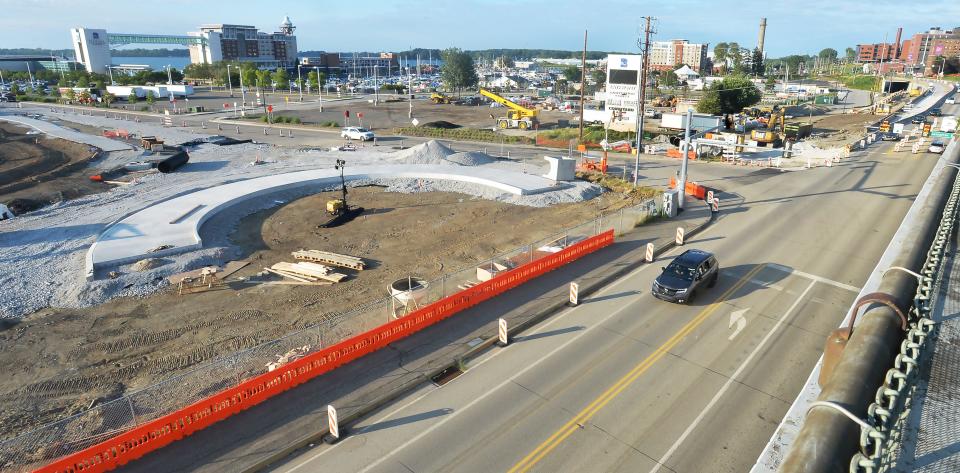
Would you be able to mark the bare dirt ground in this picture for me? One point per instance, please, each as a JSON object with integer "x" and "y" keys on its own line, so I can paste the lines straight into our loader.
{"x": 36, "y": 170}
{"x": 838, "y": 130}
{"x": 388, "y": 115}
{"x": 57, "y": 362}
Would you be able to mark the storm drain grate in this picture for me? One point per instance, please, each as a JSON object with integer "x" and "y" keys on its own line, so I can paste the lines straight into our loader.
{"x": 446, "y": 376}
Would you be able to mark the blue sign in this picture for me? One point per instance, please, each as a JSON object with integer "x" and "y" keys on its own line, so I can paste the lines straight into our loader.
{"x": 623, "y": 62}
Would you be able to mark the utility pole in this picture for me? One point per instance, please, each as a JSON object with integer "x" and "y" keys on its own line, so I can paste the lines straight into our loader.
{"x": 583, "y": 82}
{"x": 641, "y": 97}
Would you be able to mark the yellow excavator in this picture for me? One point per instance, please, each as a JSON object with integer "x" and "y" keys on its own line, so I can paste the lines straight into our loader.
{"x": 517, "y": 117}
{"x": 774, "y": 132}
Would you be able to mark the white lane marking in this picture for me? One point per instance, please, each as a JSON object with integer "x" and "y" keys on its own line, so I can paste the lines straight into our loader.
{"x": 737, "y": 318}
{"x": 732, "y": 379}
{"x": 485, "y": 359}
{"x": 814, "y": 277}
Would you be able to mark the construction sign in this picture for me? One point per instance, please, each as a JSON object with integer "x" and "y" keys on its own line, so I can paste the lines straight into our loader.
{"x": 574, "y": 293}
{"x": 332, "y": 422}
{"x": 502, "y": 332}
{"x": 885, "y": 126}
{"x": 926, "y": 130}
{"x": 649, "y": 255}
{"x": 679, "y": 236}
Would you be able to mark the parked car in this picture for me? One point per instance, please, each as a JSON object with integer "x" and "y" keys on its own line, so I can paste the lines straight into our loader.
{"x": 651, "y": 113}
{"x": 950, "y": 100}
{"x": 356, "y": 133}
{"x": 936, "y": 147}
{"x": 889, "y": 136}
{"x": 686, "y": 275}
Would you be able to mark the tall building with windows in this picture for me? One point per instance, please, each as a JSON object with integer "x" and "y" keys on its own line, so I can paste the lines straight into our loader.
{"x": 225, "y": 42}
{"x": 669, "y": 55}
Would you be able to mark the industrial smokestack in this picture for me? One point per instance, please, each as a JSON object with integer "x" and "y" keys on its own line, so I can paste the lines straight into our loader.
{"x": 763, "y": 32}
{"x": 896, "y": 45}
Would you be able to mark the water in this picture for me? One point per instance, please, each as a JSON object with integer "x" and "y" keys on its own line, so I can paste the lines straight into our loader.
{"x": 157, "y": 63}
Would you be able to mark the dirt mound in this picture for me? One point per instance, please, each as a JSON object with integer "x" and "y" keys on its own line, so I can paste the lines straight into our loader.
{"x": 442, "y": 124}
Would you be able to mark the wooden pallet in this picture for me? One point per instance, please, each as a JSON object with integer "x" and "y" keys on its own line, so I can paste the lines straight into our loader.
{"x": 334, "y": 259}
{"x": 307, "y": 272}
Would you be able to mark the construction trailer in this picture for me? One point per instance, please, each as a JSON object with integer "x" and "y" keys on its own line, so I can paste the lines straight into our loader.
{"x": 517, "y": 117}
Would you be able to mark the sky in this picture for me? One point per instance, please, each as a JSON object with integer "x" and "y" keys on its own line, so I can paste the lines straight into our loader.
{"x": 387, "y": 25}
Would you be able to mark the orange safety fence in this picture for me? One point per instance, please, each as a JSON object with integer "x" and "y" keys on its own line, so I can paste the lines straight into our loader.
{"x": 153, "y": 435}
{"x": 691, "y": 188}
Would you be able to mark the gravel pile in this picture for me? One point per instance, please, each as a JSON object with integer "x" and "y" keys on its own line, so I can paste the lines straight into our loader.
{"x": 42, "y": 253}
{"x": 470, "y": 158}
{"x": 435, "y": 152}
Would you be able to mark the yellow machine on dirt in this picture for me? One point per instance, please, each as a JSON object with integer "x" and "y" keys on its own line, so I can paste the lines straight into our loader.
{"x": 518, "y": 117}
{"x": 439, "y": 98}
{"x": 774, "y": 132}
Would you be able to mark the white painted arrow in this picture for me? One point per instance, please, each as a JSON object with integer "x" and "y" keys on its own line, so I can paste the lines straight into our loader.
{"x": 737, "y": 318}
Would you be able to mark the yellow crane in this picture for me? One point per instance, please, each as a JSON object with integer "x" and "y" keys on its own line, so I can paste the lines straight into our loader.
{"x": 517, "y": 117}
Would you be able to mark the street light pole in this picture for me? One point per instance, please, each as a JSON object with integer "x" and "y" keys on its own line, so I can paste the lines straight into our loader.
{"x": 229, "y": 81}
{"x": 110, "y": 71}
{"x": 300, "y": 82}
{"x": 243, "y": 93}
{"x": 376, "y": 88}
{"x": 682, "y": 185}
{"x": 319, "y": 87}
{"x": 169, "y": 75}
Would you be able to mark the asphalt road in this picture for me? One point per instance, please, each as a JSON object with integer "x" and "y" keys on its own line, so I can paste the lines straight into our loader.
{"x": 625, "y": 382}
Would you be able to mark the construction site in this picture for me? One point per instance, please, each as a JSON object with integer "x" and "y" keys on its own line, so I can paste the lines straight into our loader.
{"x": 148, "y": 249}
{"x": 285, "y": 257}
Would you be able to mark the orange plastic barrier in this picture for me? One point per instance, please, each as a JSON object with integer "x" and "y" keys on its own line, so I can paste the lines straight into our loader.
{"x": 160, "y": 432}
{"x": 675, "y": 153}
{"x": 691, "y": 188}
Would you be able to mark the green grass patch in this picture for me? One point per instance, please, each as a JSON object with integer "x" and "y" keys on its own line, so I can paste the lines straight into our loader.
{"x": 467, "y": 134}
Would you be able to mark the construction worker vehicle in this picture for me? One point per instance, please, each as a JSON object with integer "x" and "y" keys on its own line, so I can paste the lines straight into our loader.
{"x": 517, "y": 117}
{"x": 439, "y": 98}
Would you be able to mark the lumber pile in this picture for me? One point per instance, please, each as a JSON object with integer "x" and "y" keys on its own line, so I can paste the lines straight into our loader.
{"x": 306, "y": 272}
{"x": 333, "y": 259}
{"x": 205, "y": 280}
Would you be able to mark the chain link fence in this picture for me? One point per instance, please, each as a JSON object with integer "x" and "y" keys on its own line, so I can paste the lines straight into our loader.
{"x": 882, "y": 434}
{"x": 44, "y": 444}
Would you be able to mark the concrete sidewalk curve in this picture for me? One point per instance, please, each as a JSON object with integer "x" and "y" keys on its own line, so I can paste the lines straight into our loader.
{"x": 173, "y": 226}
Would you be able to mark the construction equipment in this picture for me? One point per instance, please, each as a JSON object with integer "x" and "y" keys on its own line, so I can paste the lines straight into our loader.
{"x": 594, "y": 164}
{"x": 773, "y": 134}
{"x": 518, "y": 117}
{"x": 339, "y": 210}
{"x": 439, "y": 98}
{"x": 664, "y": 101}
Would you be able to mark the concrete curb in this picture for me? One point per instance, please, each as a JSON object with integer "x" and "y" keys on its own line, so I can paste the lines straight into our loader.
{"x": 458, "y": 362}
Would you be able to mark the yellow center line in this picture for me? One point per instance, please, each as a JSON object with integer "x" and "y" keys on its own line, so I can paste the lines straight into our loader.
{"x": 613, "y": 391}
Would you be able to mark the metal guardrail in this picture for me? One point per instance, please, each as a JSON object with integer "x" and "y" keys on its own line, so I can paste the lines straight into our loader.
{"x": 882, "y": 432}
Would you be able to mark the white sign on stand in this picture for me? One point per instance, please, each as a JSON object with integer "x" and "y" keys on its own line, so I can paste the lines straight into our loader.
{"x": 715, "y": 204}
{"x": 332, "y": 421}
{"x": 649, "y": 255}
{"x": 502, "y": 331}
{"x": 679, "y": 236}
{"x": 574, "y": 293}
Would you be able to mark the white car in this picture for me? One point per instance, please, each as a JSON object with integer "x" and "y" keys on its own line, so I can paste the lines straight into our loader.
{"x": 356, "y": 133}
{"x": 936, "y": 147}
{"x": 951, "y": 100}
